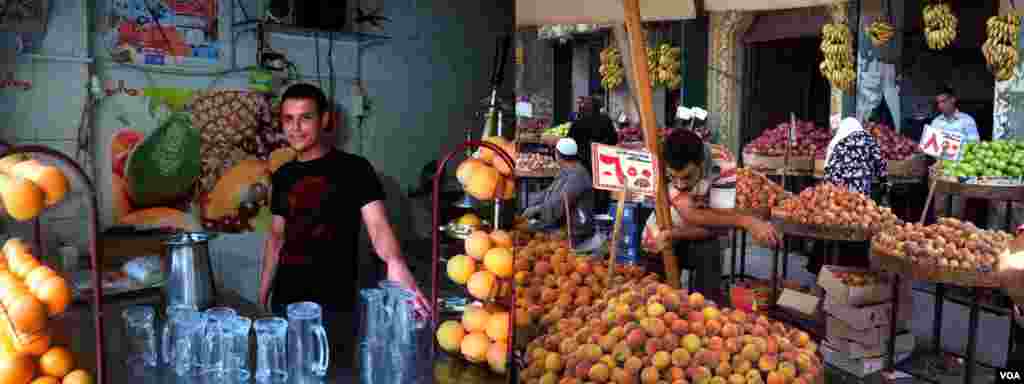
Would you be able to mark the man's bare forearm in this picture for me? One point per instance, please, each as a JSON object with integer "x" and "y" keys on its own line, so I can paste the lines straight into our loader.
{"x": 271, "y": 254}
{"x": 715, "y": 218}
{"x": 690, "y": 233}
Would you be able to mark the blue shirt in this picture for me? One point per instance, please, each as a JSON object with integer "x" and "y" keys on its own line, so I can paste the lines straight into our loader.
{"x": 962, "y": 124}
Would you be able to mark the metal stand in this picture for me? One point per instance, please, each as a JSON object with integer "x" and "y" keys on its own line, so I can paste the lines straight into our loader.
{"x": 94, "y": 250}
{"x": 436, "y": 245}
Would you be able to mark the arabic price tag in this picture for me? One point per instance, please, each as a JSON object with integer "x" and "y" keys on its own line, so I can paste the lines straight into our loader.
{"x": 932, "y": 141}
{"x": 683, "y": 113}
{"x": 615, "y": 166}
{"x": 524, "y": 109}
{"x": 699, "y": 113}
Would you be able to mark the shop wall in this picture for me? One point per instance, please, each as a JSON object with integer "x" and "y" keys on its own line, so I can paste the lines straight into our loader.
{"x": 535, "y": 75}
{"x": 421, "y": 84}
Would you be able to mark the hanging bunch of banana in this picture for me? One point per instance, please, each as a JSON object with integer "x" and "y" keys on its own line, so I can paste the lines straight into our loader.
{"x": 880, "y": 32}
{"x": 663, "y": 62}
{"x": 612, "y": 73}
{"x": 940, "y": 24}
{"x": 839, "y": 66}
{"x": 1000, "y": 49}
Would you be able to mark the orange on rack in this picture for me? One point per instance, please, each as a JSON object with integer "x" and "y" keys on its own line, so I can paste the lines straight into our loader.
{"x": 501, "y": 239}
{"x": 498, "y": 326}
{"x": 467, "y": 168}
{"x": 37, "y": 276}
{"x": 78, "y": 376}
{"x": 58, "y": 361}
{"x": 17, "y": 369}
{"x": 475, "y": 319}
{"x": 27, "y": 313}
{"x": 22, "y": 199}
{"x": 49, "y": 178}
{"x": 499, "y": 261}
{"x": 46, "y": 380}
{"x": 477, "y": 244}
{"x": 23, "y": 267}
{"x": 34, "y": 344}
{"x": 483, "y": 285}
{"x": 55, "y": 293}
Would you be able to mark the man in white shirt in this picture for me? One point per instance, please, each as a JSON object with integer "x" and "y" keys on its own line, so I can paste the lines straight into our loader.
{"x": 954, "y": 121}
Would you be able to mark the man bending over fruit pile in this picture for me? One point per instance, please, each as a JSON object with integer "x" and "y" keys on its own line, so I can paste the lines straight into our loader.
{"x": 693, "y": 170}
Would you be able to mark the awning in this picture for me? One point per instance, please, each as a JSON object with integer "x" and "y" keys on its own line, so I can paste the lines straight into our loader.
{"x": 761, "y": 5}
{"x": 546, "y": 12}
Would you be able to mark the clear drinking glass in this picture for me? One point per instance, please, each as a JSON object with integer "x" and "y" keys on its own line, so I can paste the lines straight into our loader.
{"x": 271, "y": 361}
{"x": 400, "y": 330}
{"x": 371, "y": 348}
{"x": 140, "y": 334}
{"x": 188, "y": 330}
{"x": 212, "y": 351}
{"x": 236, "y": 360}
{"x": 308, "y": 350}
{"x": 167, "y": 333}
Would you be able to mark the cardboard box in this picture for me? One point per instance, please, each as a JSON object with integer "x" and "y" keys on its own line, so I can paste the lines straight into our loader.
{"x": 799, "y": 301}
{"x": 836, "y": 329}
{"x": 857, "y": 367}
{"x": 852, "y": 350}
{"x": 862, "y": 317}
{"x": 847, "y": 295}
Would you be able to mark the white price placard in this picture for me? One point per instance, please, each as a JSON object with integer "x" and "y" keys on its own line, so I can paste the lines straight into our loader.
{"x": 683, "y": 113}
{"x": 524, "y": 109}
{"x": 938, "y": 143}
{"x": 614, "y": 166}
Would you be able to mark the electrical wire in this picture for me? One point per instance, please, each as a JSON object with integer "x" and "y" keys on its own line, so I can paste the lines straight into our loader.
{"x": 316, "y": 48}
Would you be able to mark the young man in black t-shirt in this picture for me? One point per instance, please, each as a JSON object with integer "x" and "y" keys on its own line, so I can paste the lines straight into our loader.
{"x": 319, "y": 202}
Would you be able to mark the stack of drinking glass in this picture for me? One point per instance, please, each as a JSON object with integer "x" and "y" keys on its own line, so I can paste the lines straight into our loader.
{"x": 212, "y": 343}
{"x": 395, "y": 342}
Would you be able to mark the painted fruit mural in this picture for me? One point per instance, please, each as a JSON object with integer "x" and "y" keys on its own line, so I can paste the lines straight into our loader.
{"x": 205, "y": 166}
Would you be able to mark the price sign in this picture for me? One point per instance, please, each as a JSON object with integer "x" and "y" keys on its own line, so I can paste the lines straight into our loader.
{"x": 938, "y": 143}
{"x": 524, "y": 109}
{"x": 614, "y": 166}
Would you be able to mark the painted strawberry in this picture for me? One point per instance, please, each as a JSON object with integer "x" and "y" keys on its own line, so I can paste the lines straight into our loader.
{"x": 631, "y": 172}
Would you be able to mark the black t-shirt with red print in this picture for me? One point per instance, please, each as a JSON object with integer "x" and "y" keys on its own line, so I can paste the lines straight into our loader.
{"x": 321, "y": 202}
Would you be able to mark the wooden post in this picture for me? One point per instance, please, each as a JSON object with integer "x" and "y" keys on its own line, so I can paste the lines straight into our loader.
{"x": 638, "y": 56}
{"x": 613, "y": 243}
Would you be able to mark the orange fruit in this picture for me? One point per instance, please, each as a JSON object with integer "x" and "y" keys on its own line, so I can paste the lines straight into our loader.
{"x": 55, "y": 293}
{"x": 475, "y": 319}
{"x": 482, "y": 285}
{"x": 467, "y": 168}
{"x": 474, "y": 347}
{"x": 46, "y": 380}
{"x": 477, "y": 244}
{"x": 35, "y": 344}
{"x": 37, "y": 276}
{"x": 501, "y": 239}
{"x": 482, "y": 184}
{"x": 13, "y": 246}
{"x": 23, "y": 267}
{"x": 58, "y": 361}
{"x": 498, "y": 326}
{"x": 17, "y": 369}
{"x": 26, "y": 312}
{"x": 499, "y": 261}
{"x": 78, "y": 376}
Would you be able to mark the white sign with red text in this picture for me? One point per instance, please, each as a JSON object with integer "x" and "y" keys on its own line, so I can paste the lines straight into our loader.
{"x": 937, "y": 142}
{"x": 612, "y": 166}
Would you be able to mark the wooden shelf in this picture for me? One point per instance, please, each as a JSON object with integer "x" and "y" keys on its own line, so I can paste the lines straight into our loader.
{"x": 284, "y": 29}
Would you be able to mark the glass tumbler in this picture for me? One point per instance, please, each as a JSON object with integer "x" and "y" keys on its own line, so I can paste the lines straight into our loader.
{"x": 188, "y": 330}
{"x": 371, "y": 348}
{"x": 140, "y": 335}
{"x": 236, "y": 360}
{"x": 308, "y": 349}
{"x": 167, "y": 333}
{"x": 271, "y": 353}
{"x": 212, "y": 351}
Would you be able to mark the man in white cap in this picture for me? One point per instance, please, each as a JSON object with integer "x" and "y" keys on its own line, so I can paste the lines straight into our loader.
{"x": 574, "y": 182}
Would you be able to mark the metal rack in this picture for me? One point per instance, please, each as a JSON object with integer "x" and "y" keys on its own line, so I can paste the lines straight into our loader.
{"x": 94, "y": 250}
{"x": 436, "y": 244}
{"x": 1006, "y": 194}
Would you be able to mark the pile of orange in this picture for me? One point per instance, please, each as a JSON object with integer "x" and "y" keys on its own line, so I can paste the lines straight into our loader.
{"x": 487, "y": 176}
{"x": 30, "y": 294}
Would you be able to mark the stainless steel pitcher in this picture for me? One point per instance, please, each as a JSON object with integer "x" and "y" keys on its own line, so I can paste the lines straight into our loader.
{"x": 190, "y": 281}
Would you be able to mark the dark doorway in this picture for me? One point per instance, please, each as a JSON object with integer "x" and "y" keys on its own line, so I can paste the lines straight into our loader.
{"x": 782, "y": 78}
{"x": 563, "y": 102}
